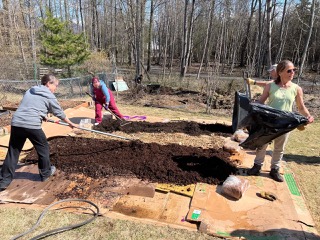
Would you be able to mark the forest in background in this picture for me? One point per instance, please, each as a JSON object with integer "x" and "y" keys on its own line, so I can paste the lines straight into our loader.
{"x": 215, "y": 35}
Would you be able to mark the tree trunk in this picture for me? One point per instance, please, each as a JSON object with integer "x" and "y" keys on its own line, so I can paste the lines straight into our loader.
{"x": 281, "y": 32}
{"x": 269, "y": 30}
{"x": 246, "y": 39}
{"x": 137, "y": 37}
{"x": 306, "y": 45}
{"x": 81, "y": 16}
{"x": 209, "y": 26}
{"x": 150, "y": 35}
{"x": 187, "y": 35}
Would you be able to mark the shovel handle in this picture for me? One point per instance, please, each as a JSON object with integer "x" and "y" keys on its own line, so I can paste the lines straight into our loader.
{"x": 57, "y": 122}
{"x": 246, "y": 85}
{"x": 90, "y": 130}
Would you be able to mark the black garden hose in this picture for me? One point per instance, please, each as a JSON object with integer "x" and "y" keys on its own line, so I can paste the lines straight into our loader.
{"x": 62, "y": 229}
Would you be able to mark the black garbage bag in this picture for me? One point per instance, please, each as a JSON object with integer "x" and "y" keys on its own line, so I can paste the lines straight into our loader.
{"x": 240, "y": 109}
{"x": 265, "y": 123}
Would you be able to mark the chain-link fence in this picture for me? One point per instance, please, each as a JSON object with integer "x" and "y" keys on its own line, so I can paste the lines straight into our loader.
{"x": 69, "y": 88}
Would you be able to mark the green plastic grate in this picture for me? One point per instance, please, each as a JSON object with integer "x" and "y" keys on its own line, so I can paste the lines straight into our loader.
{"x": 292, "y": 184}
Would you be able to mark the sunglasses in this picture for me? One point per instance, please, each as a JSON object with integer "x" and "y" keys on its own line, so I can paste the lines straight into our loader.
{"x": 291, "y": 70}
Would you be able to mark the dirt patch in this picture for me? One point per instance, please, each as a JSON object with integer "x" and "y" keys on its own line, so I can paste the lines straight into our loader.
{"x": 166, "y": 97}
{"x": 91, "y": 162}
{"x": 83, "y": 159}
{"x": 5, "y": 118}
{"x": 190, "y": 128}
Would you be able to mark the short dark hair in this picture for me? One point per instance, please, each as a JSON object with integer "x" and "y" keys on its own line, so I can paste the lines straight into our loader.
{"x": 48, "y": 78}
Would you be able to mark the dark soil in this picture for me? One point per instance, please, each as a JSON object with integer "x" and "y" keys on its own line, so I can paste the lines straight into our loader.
{"x": 152, "y": 162}
{"x": 190, "y": 128}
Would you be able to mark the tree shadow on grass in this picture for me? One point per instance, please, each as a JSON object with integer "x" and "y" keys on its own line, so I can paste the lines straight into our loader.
{"x": 300, "y": 159}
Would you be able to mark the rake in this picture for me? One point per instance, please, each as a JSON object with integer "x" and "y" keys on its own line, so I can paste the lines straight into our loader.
{"x": 90, "y": 130}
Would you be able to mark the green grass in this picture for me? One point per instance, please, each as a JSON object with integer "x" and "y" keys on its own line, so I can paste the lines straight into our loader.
{"x": 303, "y": 157}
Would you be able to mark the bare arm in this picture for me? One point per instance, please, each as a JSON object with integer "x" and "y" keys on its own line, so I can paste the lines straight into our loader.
{"x": 258, "y": 83}
{"x": 301, "y": 107}
{"x": 265, "y": 94}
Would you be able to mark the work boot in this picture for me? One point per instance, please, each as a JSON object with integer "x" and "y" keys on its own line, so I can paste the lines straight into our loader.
{"x": 274, "y": 173}
{"x": 53, "y": 170}
{"x": 254, "y": 171}
{"x": 4, "y": 185}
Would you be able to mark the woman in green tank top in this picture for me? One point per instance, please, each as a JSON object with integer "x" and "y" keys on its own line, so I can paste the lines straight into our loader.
{"x": 281, "y": 94}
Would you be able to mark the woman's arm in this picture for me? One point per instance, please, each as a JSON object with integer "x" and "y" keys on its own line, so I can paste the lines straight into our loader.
{"x": 265, "y": 94}
{"x": 105, "y": 92}
{"x": 301, "y": 107}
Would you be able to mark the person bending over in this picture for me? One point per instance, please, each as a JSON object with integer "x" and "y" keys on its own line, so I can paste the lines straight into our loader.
{"x": 103, "y": 97}
{"x": 26, "y": 123}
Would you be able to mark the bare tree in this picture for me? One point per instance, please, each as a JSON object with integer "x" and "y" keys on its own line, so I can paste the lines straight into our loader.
{"x": 207, "y": 36}
{"x": 308, "y": 37}
{"x": 187, "y": 34}
{"x": 246, "y": 38}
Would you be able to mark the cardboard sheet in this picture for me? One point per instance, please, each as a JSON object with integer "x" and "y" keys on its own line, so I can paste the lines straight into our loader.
{"x": 27, "y": 187}
{"x": 252, "y": 216}
{"x": 168, "y": 207}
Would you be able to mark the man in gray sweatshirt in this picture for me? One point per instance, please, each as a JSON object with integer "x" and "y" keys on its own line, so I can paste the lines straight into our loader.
{"x": 26, "y": 122}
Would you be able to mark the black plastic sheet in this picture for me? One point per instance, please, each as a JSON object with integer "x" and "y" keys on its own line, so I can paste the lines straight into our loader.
{"x": 265, "y": 123}
{"x": 240, "y": 109}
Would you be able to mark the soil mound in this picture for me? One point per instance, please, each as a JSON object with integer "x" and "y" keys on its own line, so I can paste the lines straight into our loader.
{"x": 152, "y": 162}
{"x": 190, "y": 128}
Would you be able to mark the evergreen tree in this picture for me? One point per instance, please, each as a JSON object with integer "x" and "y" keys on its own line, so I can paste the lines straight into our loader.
{"x": 60, "y": 46}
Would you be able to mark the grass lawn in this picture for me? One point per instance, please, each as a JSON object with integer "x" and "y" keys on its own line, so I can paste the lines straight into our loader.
{"x": 303, "y": 157}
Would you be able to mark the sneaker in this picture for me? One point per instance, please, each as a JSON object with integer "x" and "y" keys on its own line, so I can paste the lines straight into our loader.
{"x": 254, "y": 171}
{"x": 53, "y": 170}
{"x": 274, "y": 173}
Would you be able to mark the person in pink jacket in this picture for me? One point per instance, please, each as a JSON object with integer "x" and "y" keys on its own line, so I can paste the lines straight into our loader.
{"x": 103, "y": 97}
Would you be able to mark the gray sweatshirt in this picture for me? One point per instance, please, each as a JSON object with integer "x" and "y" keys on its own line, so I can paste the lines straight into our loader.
{"x": 37, "y": 102}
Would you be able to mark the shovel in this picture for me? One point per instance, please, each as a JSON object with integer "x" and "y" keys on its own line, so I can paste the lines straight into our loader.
{"x": 90, "y": 130}
{"x": 246, "y": 85}
{"x": 122, "y": 123}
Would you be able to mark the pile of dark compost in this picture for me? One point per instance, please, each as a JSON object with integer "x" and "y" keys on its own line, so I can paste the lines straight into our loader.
{"x": 152, "y": 162}
{"x": 190, "y": 128}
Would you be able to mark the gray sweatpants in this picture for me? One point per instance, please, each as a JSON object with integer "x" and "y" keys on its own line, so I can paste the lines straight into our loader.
{"x": 278, "y": 149}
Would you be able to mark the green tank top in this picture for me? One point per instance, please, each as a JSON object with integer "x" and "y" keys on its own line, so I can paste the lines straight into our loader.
{"x": 282, "y": 98}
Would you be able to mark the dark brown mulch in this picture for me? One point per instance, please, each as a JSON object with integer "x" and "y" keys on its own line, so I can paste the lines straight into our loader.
{"x": 152, "y": 162}
{"x": 190, "y": 128}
